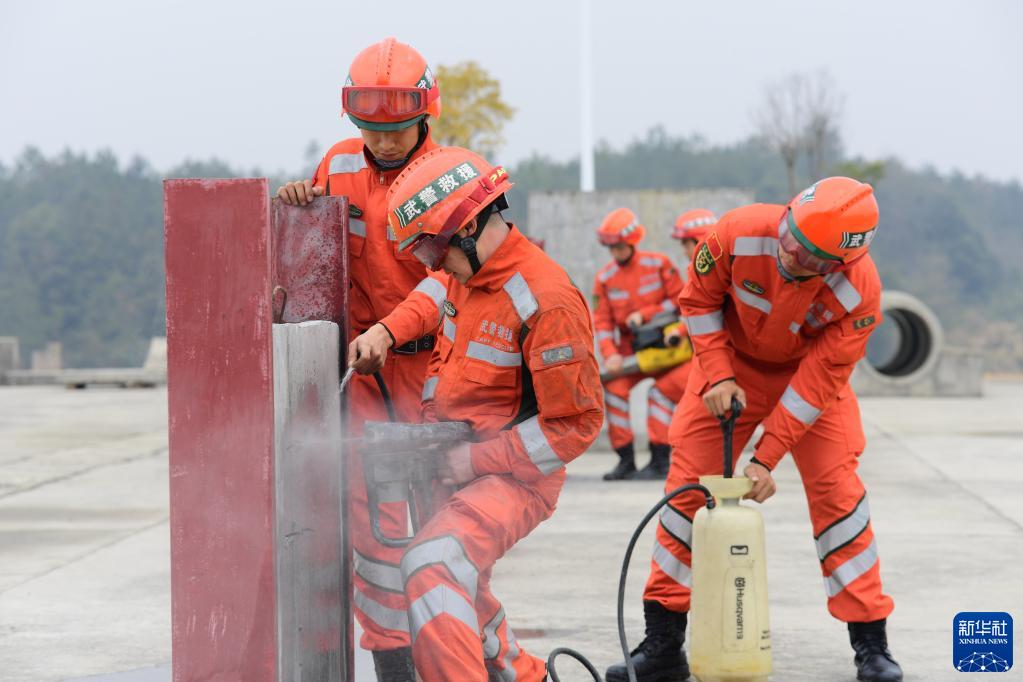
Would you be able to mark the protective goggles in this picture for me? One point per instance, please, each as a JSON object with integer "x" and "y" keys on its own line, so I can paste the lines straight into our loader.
{"x": 806, "y": 254}
{"x": 368, "y": 101}
{"x": 431, "y": 249}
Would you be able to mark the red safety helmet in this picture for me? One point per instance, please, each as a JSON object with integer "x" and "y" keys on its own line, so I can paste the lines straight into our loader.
{"x": 620, "y": 226}
{"x": 830, "y": 224}
{"x": 694, "y": 224}
{"x": 389, "y": 87}
{"x": 436, "y": 195}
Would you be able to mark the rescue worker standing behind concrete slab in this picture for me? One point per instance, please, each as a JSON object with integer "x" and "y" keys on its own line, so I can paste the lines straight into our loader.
{"x": 780, "y": 303}
{"x": 514, "y": 360}
{"x": 390, "y": 95}
{"x": 632, "y": 289}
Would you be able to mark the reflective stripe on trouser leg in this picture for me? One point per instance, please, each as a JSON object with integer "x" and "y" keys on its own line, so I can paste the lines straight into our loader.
{"x": 827, "y": 460}
{"x": 616, "y": 400}
{"x": 659, "y": 411}
{"x": 446, "y": 574}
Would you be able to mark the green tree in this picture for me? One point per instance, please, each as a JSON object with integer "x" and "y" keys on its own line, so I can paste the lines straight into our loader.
{"x": 472, "y": 111}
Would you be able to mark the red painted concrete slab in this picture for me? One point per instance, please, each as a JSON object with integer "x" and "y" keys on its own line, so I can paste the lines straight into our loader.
{"x": 218, "y": 264}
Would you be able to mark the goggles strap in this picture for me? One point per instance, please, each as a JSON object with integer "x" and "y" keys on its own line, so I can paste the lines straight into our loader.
{"x": 468, "y": 244}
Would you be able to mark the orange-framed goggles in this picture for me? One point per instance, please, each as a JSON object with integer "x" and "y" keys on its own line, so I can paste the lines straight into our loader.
{"x": 385, "y": 101}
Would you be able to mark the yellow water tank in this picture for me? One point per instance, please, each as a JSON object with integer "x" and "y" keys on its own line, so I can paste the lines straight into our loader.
{"x": 730, "y": 636}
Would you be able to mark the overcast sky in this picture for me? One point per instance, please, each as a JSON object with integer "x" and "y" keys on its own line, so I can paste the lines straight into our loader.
{"x": 252, "y": 82}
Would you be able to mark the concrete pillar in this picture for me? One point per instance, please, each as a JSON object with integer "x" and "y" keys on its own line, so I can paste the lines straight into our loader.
{"x": 48, "y": 358}
{"x": 10, "y": 354}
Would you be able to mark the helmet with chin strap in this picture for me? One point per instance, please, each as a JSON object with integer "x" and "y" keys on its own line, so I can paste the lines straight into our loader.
{"x": 390, "y": 87}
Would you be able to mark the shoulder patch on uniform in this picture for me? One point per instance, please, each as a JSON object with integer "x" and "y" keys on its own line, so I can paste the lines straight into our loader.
{"x": 864, "y": 322}
{"x": 704, "y": 260}
{"x": 750, "y": 285}
{"x": 553, "y": 356}
{"x": 714, "y": 245}
{"x": 354, "y": 211}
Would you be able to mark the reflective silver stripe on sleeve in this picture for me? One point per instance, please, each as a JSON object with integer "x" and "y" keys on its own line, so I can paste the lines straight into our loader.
{"x": 708, "y": 323}
{"x": 668, "y": 305}
{"x": 384, "y": 616}
{"x": 356, "y": 227}
{"x": 447, "y": 551}
{"x": 347, "y": 163}
{"x": 449, "y": 329}
{"x": 650, "y": 262}
{"x": 798, "y": 407}
{"x": 605, "y": 335}
{"x": 656, "y": 396}
{"x": 522, "y": 298}
{"x": 377, "y": 573}
{"x": 617, "y": 403}
{"x": 617, "y": 294}
{"x": 430, "y": 387}
{"x": 794, "y": 327}
{"x": 843, "y": 532}
{"x": 620, "y": 422}
{"x": 843, "y": 290}
{"x": 391, "y": 237}
{"x": 677, "y": 525}
{"x": 492, "y": 355}
{"x": 650, "y": 288}
{"x": 607, "y": 274}
{"x": 537, "y": 447}
{"x": 658, "y": 413}
{"x": 491, "y": 644}
{"x": 755, "y": 246}
{"x": 434, "y": 289}
{"x": 672, "y": 567}
{"x": 761, "y": 304}
{"x": 842, "y": 576}
{"x": 441, "y": 600}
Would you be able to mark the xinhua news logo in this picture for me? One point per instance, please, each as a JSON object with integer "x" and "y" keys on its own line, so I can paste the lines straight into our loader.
{"x": 982, "y": 642}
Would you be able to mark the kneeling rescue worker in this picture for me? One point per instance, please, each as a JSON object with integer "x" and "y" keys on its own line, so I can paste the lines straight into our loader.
{"x": 515, "y": 360}
{"x": 780, "y": 302}
{"x": 631, "y": 290}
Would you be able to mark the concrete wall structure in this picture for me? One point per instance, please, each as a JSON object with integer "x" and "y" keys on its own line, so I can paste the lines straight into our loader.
{"x": 10, "y": 354}
{"x": 49, "y": 357}
{"x": 567, "y": 221}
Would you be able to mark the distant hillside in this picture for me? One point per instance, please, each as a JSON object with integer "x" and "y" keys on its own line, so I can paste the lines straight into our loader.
{"x": 81, "y": 240}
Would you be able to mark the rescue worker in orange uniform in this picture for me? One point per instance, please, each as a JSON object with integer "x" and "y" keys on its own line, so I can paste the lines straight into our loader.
{"x": 690, "y": 227}
{"x": 515, "y": 360}
{"x": 780, "y": 303}
{"x": 390, "y": 95}
{"x": 630, "y": 290}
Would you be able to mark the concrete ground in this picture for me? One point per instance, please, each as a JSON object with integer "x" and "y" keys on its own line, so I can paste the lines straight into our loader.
{"x": 84, "y": 546}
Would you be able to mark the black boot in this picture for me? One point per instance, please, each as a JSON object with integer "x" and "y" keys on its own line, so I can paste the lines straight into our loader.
{"x": 874, "y": 663}
{"x": 657, "y": 469}
{"x": 394, "y": 665}
{"x": 660, "y": 657}
{"x": 626, "y": 464}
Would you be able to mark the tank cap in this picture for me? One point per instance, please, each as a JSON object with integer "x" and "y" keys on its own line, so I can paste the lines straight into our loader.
{"x": 727, "y": 488}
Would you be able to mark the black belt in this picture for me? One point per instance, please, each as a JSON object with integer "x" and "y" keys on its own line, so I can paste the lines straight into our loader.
{"x": 413, "y": 347}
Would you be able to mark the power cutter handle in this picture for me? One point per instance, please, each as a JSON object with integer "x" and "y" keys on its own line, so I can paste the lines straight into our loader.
{"x": 727, "y": 429}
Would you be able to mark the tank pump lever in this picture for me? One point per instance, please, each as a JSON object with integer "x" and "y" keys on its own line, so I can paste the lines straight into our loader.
{"x": 727, "y": 428}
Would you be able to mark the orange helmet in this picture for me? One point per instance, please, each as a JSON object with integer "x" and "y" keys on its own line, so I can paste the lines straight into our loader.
{"x": 694, "y": 224}
{"x": 389, "y": 87}
{"x": 620, "y": 226}
{"x": 830, "y": 224}
{"x": 436, "y": 195}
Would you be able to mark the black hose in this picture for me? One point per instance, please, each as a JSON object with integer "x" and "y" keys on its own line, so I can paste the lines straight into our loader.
{"x": 382, "y": 385}
{"x": 709, "y": 501}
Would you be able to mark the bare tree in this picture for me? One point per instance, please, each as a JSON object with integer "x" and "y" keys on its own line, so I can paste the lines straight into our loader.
{"x": 823, "y": 106}
{"x": 782, "y": 121}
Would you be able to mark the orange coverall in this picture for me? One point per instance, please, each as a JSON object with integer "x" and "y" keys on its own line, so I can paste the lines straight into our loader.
{"x": 791, "y": 345}
{"x": 515, "y": 360}
{"x": 392, "y": 287}
{"x": 649, "y": 283}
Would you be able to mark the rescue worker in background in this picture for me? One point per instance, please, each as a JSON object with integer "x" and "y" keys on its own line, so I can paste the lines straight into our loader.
{"x": 631, "y": 290}
{"x": 390, "y": 95}
{"x": 515, "y": 360}
{"x": 780, "y": 302}
{"x": 690, "y": 227}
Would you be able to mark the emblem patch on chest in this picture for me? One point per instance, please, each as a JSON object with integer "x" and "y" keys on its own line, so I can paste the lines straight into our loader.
{"x": 704, "y": 262}
{"x": 750, "y": 285}
{"x": 449, "y": 309}
{"x": 863, "y": 322}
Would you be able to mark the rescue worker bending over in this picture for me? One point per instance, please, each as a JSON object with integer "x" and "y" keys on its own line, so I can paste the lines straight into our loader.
{"x": 390, "y": 95}
{"x": 690, "y": 228}
{"x": 514, "y": 360}
{"x": 632, "y": 289}
{"x": 780, "y": 302}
